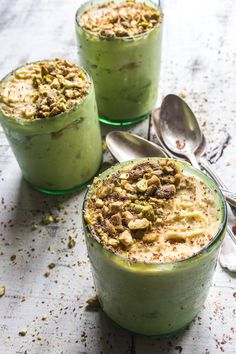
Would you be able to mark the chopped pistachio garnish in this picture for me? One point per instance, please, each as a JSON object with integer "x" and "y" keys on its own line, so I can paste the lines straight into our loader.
{"x": 47, "y": 219}
{"x": 23, "y": 332}
{"x": 142, "y": 185}
{"x": 127, "y": 18}
{"x": 57, "y": 218}
{"x": 138, "y": 224}
{"x": 92, "y": 303}
{"x": 71, "y": 242}
{"x": 110, "y": 227}
{"x": 126, "y": 238}
{"x": 43, "y": 89}
{"x": 151, "y": 237}
{"x": 113, "y": 242}
{"x": 124, "y": 176}
{"x": 2, "y": 291}
{"x": 116, "y": 207}
{"x": 60, "y": 207}
{"x": 163, "y": 216}
{"x": 99, "y": 203}
{"x": 13, "y": 257}
{"x": 46, "y": 274}
{"x": 51, "y": 265}
{"x": 34, "y": 226}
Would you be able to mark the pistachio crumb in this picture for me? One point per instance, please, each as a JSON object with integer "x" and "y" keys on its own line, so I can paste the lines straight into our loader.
{"x": 138, "y": 224}
{"x": 60, "y": 206}
{"x": 34, "y": 226}
{"x": 142, "y": 185}
{"x": 92, "y": 304}
{"x": 113, "y": 242}
{"x": 2, "y": 291}
{"x": 126, "y": 238}
{"x": 71, "y": 243}
{"x": 151, "y": 237}
{"x": 23, "y": 332}
{"x": 13, "y": 257}
{"x": 52, "y": 265}
{"x": 57, "y": 218}
{"x": 47, "y": 219}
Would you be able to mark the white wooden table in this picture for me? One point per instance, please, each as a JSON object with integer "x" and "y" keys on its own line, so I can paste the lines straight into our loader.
{"x": 199, "y": 58}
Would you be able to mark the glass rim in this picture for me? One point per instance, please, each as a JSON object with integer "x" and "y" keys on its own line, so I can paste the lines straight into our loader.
{"x": 128, "y": 38}
{"x": 178, "y": 262}
{"x": 26, "y": 121}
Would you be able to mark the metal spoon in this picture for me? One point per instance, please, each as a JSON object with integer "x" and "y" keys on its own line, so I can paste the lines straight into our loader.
{"x": 125, "y": 146}
{"x": 178, "y": 130}
{"x": 156, "y": 125}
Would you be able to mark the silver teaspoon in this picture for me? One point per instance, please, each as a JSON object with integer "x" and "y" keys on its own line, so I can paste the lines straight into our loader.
{"x": 179, "y": 128}
{"x": 180, "y": 132}
{"x": 125, "y": 146}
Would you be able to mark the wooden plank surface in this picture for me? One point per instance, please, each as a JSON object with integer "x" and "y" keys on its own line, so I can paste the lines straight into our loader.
{"x": 199, "y": 57}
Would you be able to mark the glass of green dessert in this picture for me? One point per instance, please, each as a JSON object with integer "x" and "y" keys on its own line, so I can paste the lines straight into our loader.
{"x": 49, "y": 115}
{"x": 153, "y": 230}
{"x": 120, "y": 46}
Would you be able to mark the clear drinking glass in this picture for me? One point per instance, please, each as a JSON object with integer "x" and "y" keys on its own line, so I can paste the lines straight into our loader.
{"x": 58, "y": 154}
{"x": 125, "y": 70}
{"x": 151, "y": 298}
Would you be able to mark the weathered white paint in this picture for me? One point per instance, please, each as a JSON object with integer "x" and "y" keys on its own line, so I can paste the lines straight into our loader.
{"x": 199, "y": 56}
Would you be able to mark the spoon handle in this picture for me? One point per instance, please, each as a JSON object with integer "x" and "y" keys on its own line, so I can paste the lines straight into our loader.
{"x": 231, "y": 234}
{"x": 230, "y": 197}
{"x": 194, "y": 162}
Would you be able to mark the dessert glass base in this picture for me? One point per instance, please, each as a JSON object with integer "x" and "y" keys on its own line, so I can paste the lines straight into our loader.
{"x": 66, "y": 191}
{"x": 120, "y": 122}
{"x": 153, "y": 336}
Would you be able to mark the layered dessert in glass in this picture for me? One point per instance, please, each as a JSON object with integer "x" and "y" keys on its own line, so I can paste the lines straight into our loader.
{"x": 120, "y": 46}
{"x": 49, "y": 115}
{"x": 153, "y": 230}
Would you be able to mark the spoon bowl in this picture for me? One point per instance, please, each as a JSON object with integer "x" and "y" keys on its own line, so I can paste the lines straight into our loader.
{"x": 125, "y": 146}
{"x": 179, "y": 128}
{"x": 156, "y": 125}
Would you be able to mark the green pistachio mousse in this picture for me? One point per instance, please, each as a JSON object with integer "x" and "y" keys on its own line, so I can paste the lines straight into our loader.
{"x": 153, "y": 231}
{"x": 49, "y": 115}
{"x": 120, "y": 46}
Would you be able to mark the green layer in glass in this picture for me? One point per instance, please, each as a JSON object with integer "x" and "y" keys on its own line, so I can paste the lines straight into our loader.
{"x": 59, "y": 154}
{"x": 125, "y": 71}
{"x": 155, "y": 299}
